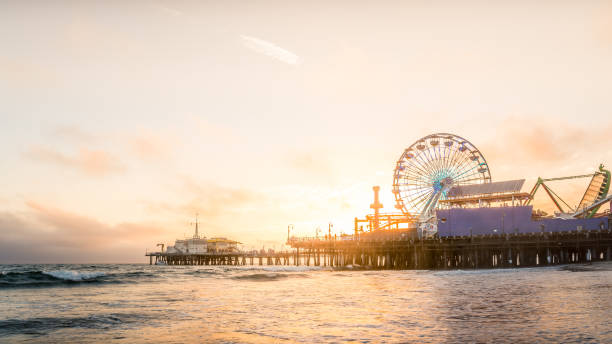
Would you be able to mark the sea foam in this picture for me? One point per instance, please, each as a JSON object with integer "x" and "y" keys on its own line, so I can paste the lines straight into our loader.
{"x": 74, "y": 276}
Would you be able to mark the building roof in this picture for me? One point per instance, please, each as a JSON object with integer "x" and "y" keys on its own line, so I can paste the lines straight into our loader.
{"x": 486, "y": 188}
{"x": 222, "y": 240}
{"x": 502, "y": 197}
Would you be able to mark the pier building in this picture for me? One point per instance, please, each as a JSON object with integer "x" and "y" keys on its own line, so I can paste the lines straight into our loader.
{"x": 201, "y": 245}
{"x": 222, "y": 245}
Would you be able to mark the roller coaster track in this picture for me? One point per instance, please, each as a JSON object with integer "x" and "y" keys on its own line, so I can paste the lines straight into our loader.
{"x": 595, "y": 195}
{"x": 592, "y": 209}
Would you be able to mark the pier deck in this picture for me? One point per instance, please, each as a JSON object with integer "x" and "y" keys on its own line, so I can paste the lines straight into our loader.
{"x": 401, "y": 250}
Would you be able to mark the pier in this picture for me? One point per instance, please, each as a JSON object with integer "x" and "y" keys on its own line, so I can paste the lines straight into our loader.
{"x": 399, "y": 251}
{"x": 402, "y": 250}
{"x": 222, "y": 258}
{"x": 452, "y": 216}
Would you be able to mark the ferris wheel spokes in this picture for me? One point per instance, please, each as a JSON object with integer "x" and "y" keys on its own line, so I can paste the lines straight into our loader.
{"x": 428, "y": 169}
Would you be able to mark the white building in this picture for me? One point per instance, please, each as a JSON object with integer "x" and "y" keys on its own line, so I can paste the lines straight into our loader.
{"x": 192, "y": 245}
{"x": 195, "y": 245}
{"x": 199, "y": 245}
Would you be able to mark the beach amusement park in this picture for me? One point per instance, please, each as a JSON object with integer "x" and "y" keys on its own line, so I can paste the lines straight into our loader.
{"x": 450, "y": 213}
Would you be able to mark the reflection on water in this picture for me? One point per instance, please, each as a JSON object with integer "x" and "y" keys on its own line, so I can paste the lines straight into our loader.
{"x": 141, "y": 303}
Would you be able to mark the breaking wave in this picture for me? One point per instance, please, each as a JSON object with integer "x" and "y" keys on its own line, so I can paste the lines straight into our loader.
{"x": 40, "y": 278}
{"x": 74, "y": 276}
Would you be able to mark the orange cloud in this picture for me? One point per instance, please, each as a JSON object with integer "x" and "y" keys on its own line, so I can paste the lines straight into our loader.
{"x": 215, "y": 132}
{"x": 96, "y": 163}
{"x": 73, "y": 133}
{"x": 527, "y": 148}
{"x": 209, "y": 200}
{"x": 309, "y": 162}
{"x": 546, "y": 142}
{"x": 78, "y": 230}
{"x": 145, "y": 145}
{"x": 47, "y": 234}
{"x": 311, "y": 165}
{"x": 148, "y": 146}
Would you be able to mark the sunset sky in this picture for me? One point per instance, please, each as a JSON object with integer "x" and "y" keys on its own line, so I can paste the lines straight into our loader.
{"x": 121, "y": 120}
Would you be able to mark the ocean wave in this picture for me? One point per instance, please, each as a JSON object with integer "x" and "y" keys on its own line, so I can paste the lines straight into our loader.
{"x": 41, "y": 278}
{"x": 355, "y": 267}
{"x": 202, "y": 272}
{"x": 276, "y": 268}
{"x": 74, "y": 276}
{"x": 41, "y": 326}
{"x": 598, "y": 266}
{"x": 262, "y": 277}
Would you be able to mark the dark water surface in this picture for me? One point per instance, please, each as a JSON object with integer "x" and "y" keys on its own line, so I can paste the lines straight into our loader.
{"x": 153, "y": 304}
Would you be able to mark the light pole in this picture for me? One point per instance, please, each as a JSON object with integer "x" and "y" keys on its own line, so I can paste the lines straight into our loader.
{"x": 450, "y": 222}
{"x": 289, "y": 228}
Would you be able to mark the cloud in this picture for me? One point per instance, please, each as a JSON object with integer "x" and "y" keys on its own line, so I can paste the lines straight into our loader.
{"x": 547, "y": 142}
{"x": 213, "y": 200}
{"x": 210, "y": 200}
{"x": 143, "y": 144}
{"x": 315, "y": 165}
{"x": 304, "y": 161}
{"x": 526, "y": 148}
{"x": 149, "y": 146}
{"x": 168, "y": 10}
{"x": 73, "y": 230}
{"x": 46, "y": 234}
{"x": 95, "y": 163}
{"x": 270, "y": 49}
{"x": 216, "y": 132}
{"x": 235, "y": 212}
{"x": 72, "y": 133}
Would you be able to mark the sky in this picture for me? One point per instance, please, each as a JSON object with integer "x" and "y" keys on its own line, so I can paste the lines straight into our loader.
{"x": 122, "y": 120}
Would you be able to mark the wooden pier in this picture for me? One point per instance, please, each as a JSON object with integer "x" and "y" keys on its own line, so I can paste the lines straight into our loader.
{"x": 401, "y": 250}
{"x": 222, "y": 258}
{"x": 393, "y": 251}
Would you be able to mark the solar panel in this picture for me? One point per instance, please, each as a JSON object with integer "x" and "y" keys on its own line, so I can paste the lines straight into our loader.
{"x": 486, "y": 188}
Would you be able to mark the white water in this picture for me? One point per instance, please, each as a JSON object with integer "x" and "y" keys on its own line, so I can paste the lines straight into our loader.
{"x": 70, "y": 275}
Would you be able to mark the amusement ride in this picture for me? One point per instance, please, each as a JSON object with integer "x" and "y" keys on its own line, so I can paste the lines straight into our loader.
{"x": 443, "y": 170}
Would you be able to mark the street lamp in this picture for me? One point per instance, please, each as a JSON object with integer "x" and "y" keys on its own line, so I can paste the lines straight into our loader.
{"x": 289, "y": 228}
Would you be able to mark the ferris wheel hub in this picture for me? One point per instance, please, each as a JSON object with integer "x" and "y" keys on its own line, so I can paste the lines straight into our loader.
{"x": 443, "y": 185}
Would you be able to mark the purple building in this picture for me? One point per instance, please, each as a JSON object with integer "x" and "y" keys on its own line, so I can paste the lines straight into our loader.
{"x": 498, "y": 220}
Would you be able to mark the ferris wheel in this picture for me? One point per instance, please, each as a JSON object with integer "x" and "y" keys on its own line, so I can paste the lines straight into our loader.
{"x": 428, "y": 169}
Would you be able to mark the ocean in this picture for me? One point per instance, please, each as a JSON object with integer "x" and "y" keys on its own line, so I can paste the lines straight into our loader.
{"x": 272, "y": 304}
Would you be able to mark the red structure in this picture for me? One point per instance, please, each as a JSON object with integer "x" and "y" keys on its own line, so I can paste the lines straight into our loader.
{"x": 376, "y": 206}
